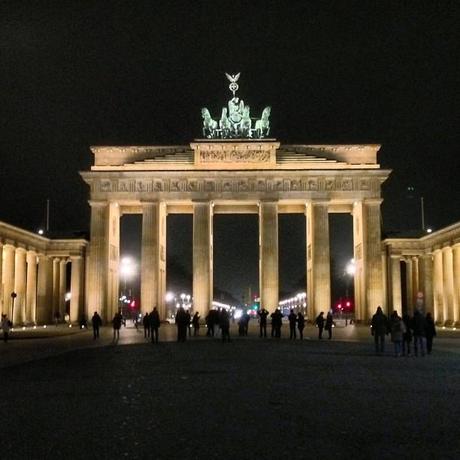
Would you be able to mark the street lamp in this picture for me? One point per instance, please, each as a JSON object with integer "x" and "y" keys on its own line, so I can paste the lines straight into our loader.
{"x": 127, "y": 269}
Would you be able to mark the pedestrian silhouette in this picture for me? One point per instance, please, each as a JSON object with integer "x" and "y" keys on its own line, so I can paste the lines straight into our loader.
{"x": 292, "y": 317}
{"x": 116, "y": 323}
{"x": 329, "y": 323}
{"x": 300, "y": 324}
{"x": 379, "y": 328}
{"x": 154, "y": 325}
{"x": 146, "y": 324}
{"x": 96, "y": 322}
{"x": 320, "y": 324}
{"x": 196, "y": 324}
{"x": 262, "y": 314}
{"x": 430, "y": 332}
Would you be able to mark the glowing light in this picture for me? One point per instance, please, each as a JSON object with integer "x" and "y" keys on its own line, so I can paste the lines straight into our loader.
{"x": 35, "y": 327}
{"x": 40, "y": 231}
{"x": 23, "y": 328}
{"x": 429, "y": 230}
{"x": 44, "y": 326}
{"x": 350, "y": 269}
{"x": 68, "y": 296}
{"x": 169, "y": 296}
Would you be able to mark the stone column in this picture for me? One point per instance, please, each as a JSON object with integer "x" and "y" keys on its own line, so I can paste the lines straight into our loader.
{"x": 448, "y": 281}
{"x": 268, "y": 255}
{"x": 372, "y": 256}
{"x": 8, "y": 277}
{"x": 438, "y": 294}
{"x": 76, "y": 285}
{"x": 409, "y": 287}
{"x": 31, "y": 294}
{"x": 62, "y": 287}
{"x": 153, "y": 260}
{"x": 318, "y": 259}
{"x": 425, "y": 265}
{"x": 396, "y": 284}
{"x": 456, "y": 268}
{"x": 1, "y": 277}
{"x": 56, "y": 274}
{"x": 202, "y": 257}
{"x": 20, "y": 271}
{"x": 44, "y": 290}
{"x": 103, "y": 260}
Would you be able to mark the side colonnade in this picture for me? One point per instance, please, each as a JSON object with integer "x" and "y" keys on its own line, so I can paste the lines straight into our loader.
{"x": 425, "y": 273}
{"x": 34, "y": 288}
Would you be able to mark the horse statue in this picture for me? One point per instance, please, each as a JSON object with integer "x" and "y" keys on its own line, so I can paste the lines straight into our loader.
{"x": 263, "y": 125}
{"x": 225, "y": 124}
{"x": 245, "y": 124}
{"x": 209, "y": 125}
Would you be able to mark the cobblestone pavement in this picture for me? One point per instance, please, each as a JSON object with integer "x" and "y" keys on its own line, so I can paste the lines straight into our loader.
{"x": 71, "y": 396}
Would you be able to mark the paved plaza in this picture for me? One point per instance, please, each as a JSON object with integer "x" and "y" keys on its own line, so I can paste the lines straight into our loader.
{"x": 66, "y": 395}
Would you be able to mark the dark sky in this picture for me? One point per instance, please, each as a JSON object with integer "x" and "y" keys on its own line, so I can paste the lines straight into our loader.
{"x": 78, "y": 73}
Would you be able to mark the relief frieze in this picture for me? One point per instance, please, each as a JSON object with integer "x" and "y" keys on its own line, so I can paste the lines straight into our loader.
{"x": 249, "y": 184}
{"x": 234, "y": 156}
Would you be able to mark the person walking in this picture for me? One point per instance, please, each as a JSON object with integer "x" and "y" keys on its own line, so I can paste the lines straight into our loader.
{"x": 189, "y": 322}
{"x": 262, "y": 314}
{"x": 320, "y": 324}
{"x": 397, "y": 329}
{"x": 154, "y": 325}
{"x": 430, "y": 332}
{"x": 329, "y": 324}
{"x": 196, "y": 324}
{"x": 407, "y": 336}
{"x": 224, "y": 323}
{"x": 379, "y": 329}
{"x": 292, "y": 317}
{"x": 146, "y": 324}
{"x": 419, "y": 328}
{"x": 96, "y": 322}
{"x": 300, "y": 324}
{"x": 210, "y": 323}
{"x": 116, "y": 323}
{"x": 182, "y": 323}
{"x": 6, "y": 326}
{"x": 277, "y": 322}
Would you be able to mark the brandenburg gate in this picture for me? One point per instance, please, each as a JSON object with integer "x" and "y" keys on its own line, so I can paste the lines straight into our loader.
{"x": 235, "y": 169}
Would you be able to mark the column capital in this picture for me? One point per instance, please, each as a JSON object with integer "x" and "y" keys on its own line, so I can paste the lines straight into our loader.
{"x": 76, "y": 257}
{"x": 373, "y": 201}
{"x": 20, "y": 249}
{"x": 98, "y": 204}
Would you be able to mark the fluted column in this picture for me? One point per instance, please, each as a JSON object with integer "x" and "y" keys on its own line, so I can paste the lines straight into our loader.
{"x": 368, "y": 258}
{"x": 396, "y": 296}
{"x": 8, "y": 277}
{"x": 1, "y": 277}
{"x": 409, "y": 287}
{"x": 153, "y": 259}
{"x": 44, "y": 290}
{"x": 268, "y": 255}
{"x": 202, "y": 257}
{"x": 31, "y": 295}
{"x": 62, "y": 287}
{"x": 425, "y": 265}
{"x": 20, "y": 286}
{"x": 56, "y": 274}
{"x": 456, "y": 268}
{"x": 103, "y": 260}
{"x": 448, "y": 281}
{"x": 76, "y": 285}
{"x": 438, "y": 295}
{"x": 318, "y": 259}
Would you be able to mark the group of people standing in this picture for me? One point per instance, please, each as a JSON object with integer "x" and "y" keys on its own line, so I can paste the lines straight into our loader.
{"x": 403, "y": 330}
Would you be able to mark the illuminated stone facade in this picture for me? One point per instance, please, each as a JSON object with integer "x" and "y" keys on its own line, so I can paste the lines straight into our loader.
{"x": 35, "y": 269}
{"x": 211, "y": 177}
{"x": 432, "y": 274}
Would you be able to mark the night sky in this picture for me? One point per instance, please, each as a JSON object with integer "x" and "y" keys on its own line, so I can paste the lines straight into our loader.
{"x": 81, "y": 73}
